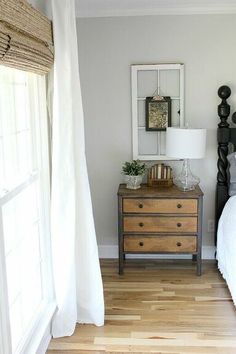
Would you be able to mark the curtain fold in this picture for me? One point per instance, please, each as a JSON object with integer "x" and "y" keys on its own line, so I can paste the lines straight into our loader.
{"x": 77, "y": 276}
{"x": 26, "y": 40}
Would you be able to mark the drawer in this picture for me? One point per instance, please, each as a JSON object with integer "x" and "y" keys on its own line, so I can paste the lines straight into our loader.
{"x": 159, "y": 224}
{"x": 165, "y": 206}
{"x": 160, "y": 244}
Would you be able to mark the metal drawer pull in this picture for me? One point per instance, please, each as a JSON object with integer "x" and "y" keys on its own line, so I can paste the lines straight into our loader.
{"x": 179, "y": 244}
{"x": 179, "y": 206}
{"x": 179, "y": 224}
{"x": 141, "y": 244}
{"x": 140, "y": 205}
{"x": 141, "y": 224}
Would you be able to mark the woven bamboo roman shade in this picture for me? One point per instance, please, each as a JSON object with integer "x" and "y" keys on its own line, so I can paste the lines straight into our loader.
{"x": 26, "y": 40}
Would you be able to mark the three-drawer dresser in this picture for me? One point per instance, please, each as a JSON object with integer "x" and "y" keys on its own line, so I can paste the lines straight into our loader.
{"x": 159, "y": 220}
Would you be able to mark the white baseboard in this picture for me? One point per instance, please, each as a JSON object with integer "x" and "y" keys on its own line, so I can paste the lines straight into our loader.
{"x": 111, "y": 251}
{"x": 108, "y": 251}
{"x": 208, "y": 252}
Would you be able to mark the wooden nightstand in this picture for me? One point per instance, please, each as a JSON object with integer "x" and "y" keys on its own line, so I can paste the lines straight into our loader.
{"x": 159, "y": 220}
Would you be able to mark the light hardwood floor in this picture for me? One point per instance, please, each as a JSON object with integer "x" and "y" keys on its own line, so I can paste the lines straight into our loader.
{"x": 159, "y": 307}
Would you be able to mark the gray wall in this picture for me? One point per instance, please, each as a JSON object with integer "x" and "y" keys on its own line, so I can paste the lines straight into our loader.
{"x": 206, "y": 44}
{"x": 43, "y": 6}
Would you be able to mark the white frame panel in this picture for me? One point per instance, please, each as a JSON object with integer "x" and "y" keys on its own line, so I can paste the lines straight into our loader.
{"x": 134, "y": 87}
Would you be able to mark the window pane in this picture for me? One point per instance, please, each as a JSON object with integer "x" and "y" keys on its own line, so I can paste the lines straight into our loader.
{"x": 10, "y": 160}
{"x": 7, "y": 107}
{"x": 1, "y": 164}
{"x": 13, "y": 271}
{"x": 169, "y": 82}
{"x": 23, "y": 258}
{"x": 16, "y": 323}
{"x": 147, "y": 142}
{"x": 31, "y": 297}
{"x": 147, "y": 83}
{"x": 24, "y": 153}
{"x": 15, "y": 127}
{"x": 22, "y": 104}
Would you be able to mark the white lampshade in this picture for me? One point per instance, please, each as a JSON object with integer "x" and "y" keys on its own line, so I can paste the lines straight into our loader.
{"x": 184, "y": 143}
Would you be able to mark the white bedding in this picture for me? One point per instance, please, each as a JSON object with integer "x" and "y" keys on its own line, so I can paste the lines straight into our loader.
{"x": 226, "y": 245}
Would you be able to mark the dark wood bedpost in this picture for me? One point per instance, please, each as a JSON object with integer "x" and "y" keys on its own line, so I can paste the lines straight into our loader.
{"x": 223, "y": 138}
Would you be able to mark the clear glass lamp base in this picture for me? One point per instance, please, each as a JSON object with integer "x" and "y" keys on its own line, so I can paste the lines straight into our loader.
{"x": 186, "y": 181}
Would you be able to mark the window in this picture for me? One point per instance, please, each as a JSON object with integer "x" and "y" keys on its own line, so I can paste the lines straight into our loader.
{"x": 150, "y": 80}
{"x": 25, "y": 268}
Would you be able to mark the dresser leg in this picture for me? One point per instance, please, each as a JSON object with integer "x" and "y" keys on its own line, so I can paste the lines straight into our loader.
{"x": 199, "y": 265}
{"x": 121, "y": 255}
{"x": 121, "y": 264}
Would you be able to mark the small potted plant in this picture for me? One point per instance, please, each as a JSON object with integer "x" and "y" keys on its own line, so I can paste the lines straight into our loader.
{"x": 133, "y": 172}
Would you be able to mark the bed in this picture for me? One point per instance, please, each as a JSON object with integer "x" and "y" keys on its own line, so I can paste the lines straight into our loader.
{"x": 226, "y": 193}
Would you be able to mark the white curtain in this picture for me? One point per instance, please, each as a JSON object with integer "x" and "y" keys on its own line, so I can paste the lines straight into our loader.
{"x": 78, "y": 283}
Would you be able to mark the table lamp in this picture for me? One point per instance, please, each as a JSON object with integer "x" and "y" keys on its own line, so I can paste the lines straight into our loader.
{"x": 185, "y": 144}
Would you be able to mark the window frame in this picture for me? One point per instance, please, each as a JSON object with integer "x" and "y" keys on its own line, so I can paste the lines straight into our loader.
{"x": 157, "y": 69}
{"x": 33, "y": 337}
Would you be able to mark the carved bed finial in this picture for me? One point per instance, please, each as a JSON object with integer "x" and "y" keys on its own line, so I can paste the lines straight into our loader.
{"x": 224, "y": 93}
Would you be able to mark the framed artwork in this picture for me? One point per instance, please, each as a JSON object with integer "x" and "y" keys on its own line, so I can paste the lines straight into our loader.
{"x": 158, "y": 113}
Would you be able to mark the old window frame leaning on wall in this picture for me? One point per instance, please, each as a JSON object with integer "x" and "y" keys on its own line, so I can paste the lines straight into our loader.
{"x": 148, "y": 80}
{"x": 24, "y": 201}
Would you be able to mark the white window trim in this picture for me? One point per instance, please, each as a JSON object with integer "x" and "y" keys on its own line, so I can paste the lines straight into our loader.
{"x": 5, "y": 337}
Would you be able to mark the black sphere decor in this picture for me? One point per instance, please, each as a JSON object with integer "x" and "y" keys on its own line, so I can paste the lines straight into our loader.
{"x": 224, "y": 92}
